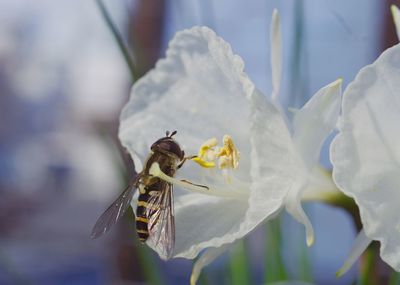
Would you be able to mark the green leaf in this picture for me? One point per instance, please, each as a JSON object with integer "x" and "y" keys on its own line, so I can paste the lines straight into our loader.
{"x": 118, "y": 38}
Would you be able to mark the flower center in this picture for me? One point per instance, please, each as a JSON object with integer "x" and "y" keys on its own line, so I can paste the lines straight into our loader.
{"x": 209, "y": 153}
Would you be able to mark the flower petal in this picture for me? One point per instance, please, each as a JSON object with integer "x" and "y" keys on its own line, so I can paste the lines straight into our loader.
{"x": 396, "y": 18}
{"x": 201, "y": 91}
{"x": 276, "y": 57}
{"x": 205, "y": 259}
{"x": 277, "y": 169}
{"x": 201, "y": 221}
{"x": 293, "y": 206}
{"x": 275, "y": 162}
{"x": 360, "y": 244}
{"x": 315, "y": 120}
{"x": 198, "y": 89}
{"x": 205, "y": 221}
{"x": 320, "y": 186}
{"x": 366, "y": 153}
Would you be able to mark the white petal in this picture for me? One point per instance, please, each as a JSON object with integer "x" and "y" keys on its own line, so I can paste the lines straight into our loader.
{"x": 276, "y": 57}
{"x": 277, "y": 169}
{"x": 360, "y": 244}
{"x": 199, "y": 89}
{"x": 311, "y": 126}
{"x": 203, "y": 221}
{"x": 293, "y": 206}
{"x": 366, "y": 152}
{"x": 320, "y": 185}
{"x": 315, "y": 120}
{"x": 275, "y": 163}
{"x": 205, "y": 259}
{"x": 396, "y": 18}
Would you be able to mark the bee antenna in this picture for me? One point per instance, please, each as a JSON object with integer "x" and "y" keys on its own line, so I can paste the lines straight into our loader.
{"x": 173, "y": 133}
{"x": 167, "y": 133}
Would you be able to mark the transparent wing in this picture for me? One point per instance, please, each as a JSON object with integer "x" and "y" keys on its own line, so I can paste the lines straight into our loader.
{"x": 116, "y": 210}
{"x": 155, "y": 204}
{"x": 162, "y": 223}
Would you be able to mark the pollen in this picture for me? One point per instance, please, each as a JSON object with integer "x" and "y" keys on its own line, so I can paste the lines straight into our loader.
{"x": 228, "y": 155}
{"x": 203, "y": 163}
{"x": 209, "y": 153}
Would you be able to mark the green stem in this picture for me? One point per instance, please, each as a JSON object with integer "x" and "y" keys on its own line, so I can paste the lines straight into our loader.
{"x": 118, "y": 38}
{"x": 305, "y": 269}
{"x": 325, "y": 191}
{"x": 239, "y": 265}
{"x": 202, "y": 278}
{"x": 394, "y": 278}
{"x": 274, "y": 266}
{"x": 337, "y": 199}
{"x": 334, "y": 198}
{"x": 148, "y": 264}
{"x": 368, "y": 274}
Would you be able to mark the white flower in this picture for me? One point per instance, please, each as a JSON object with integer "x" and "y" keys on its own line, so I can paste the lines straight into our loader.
{"x": 366, "y": 154}
{"x": 201, "y": 91}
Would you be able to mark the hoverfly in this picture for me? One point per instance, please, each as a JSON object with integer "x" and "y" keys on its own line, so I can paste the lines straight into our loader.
{"x": 154, "y": 212}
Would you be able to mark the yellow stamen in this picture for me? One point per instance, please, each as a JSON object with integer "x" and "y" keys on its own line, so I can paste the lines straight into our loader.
{"x": 229, "y": 154}
{"x": 208, "y": 145}
{"x": 206, "y": 154}
{"x": 203, "y": 163}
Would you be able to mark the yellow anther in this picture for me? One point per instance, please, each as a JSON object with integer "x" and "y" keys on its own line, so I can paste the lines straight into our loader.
{"x": 228, "y": 154}
{"x": 203, "y": 163}
{"x": 207, "y": 148}
{"x": 209, "y": 152}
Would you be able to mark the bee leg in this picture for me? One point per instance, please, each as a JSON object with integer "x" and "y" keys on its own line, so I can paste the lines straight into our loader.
{"x": 142, "y": 189}
{"x": 197, "y": 185}
{"x": 156, "y": 171}
{"x": 184, "y": 160}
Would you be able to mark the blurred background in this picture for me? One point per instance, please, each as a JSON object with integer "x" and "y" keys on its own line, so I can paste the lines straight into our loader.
{"x": 63, "y": 81}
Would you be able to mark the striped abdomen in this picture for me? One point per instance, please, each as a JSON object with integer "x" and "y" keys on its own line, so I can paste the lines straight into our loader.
{"x": 141, "y": 226}
{"x": 143, "y": 211}
{"x": 141, "y": 218}
{"x": 152, "y": 200}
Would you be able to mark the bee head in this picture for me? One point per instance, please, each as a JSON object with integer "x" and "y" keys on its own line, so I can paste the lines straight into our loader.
{"x": 168, "y": 146}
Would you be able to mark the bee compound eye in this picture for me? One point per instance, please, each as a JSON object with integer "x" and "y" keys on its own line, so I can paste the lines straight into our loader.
{"x": 168, "y": 145}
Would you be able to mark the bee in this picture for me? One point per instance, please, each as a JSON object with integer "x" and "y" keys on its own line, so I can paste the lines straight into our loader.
{"x": 154, "y": 212}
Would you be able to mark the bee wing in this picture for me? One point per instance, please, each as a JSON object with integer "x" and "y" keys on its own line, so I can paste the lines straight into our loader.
{"x": 162, "y": 223}
{"x": 115, "y": 211}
